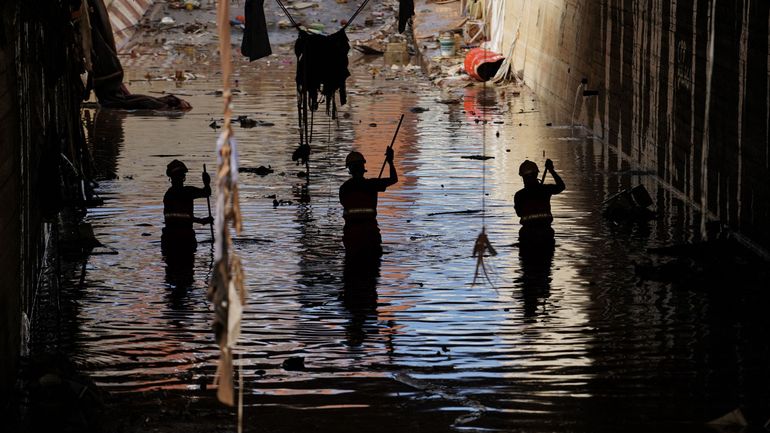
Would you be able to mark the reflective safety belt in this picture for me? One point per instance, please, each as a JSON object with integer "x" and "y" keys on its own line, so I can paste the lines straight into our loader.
{"x": 177, "y": 215}
{"x": 536, "y": 216}
{"x": 359, "y": 211}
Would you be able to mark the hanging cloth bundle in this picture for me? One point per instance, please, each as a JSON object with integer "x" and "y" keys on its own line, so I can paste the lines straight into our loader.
{"x": 256, "y": 43}
{"x": 322, "y": 67}
{"x": 405, "y": 12}
{"x": 226, "y": 288}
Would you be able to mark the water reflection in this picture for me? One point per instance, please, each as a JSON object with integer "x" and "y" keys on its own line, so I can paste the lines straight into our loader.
{"x": 105, "y": 128}
{"x": 565, "y": 336}
{"x": 535, "y": 279}
{"x": 359, "y": 294}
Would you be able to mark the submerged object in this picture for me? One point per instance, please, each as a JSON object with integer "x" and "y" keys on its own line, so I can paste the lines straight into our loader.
{"x": 629, "y": 205}
{"x": 482, "y": 64}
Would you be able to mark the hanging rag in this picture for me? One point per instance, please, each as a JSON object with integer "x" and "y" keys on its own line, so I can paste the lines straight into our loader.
{"x": 256, "y": 43}
{"x": 405, "y": 12}
{"x": 322, "y": 66}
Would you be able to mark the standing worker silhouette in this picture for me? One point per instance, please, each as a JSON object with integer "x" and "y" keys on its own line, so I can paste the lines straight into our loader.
{"x": 358, "y": 196}
{"x": 533, "y": 206}
{"x": 178, "y": 234}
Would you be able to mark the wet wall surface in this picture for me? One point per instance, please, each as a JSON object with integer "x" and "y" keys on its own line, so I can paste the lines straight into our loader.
{"x": 682, "y": 86}
{"x": 579, "y": 343}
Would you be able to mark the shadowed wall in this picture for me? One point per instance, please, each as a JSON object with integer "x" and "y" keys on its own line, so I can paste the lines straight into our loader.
{"x": 684, "y": 90}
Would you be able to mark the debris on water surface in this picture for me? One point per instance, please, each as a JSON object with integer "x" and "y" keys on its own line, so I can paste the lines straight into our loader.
{"x": 734, "y": 418}
{"x": 295, "y": 363}
{"x": 477, "y": 157}
{"x": 261, "y": 170}
{"x": 281, "y": 202}
{"x": 456, "y": 212}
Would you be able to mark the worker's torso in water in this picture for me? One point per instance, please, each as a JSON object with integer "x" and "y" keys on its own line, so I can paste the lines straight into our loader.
{"x": 533, "y": 205}
{"x": 178, "y": 215}
{"x": 358, "y": 197}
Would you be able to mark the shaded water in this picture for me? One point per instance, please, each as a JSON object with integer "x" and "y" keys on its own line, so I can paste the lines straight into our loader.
{"x": 579, "y": 343}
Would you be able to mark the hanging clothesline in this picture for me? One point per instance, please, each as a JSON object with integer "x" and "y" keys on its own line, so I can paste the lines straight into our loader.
{"x": 297, "y": 26}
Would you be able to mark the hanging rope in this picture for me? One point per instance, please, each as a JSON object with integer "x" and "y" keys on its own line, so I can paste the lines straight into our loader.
{"x": 288, "y": 15}
{"x": 226, "y": 289}
{"x": 355, "y": 14}
{"x": 482, "y": 244}
{"x": 294, "y": 23}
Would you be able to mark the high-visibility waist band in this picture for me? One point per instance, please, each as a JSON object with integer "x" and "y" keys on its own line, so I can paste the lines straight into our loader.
{"x": 360, "y": 211}
{"x": 537, "y": 216}
{"x": 176, "y": 215}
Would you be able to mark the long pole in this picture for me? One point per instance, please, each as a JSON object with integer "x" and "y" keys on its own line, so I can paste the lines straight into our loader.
{"x": 208, "y": 204}
{"x": 391, "y": 143}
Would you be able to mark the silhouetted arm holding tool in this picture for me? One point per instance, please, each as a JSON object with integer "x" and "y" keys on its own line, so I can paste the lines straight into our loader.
{"x": 389, "y": 160}
{"x": 201, "y": 193}
{"x": 559, "y": 186}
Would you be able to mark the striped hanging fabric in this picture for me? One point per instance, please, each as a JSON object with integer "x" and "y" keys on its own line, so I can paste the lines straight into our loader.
{"x": 226, "y": 288}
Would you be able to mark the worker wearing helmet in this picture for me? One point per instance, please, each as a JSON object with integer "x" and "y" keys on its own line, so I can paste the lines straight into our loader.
{"x": 533, "y": 205}
{"x": 358, "y": 196}
{"x": 178, "y": 233}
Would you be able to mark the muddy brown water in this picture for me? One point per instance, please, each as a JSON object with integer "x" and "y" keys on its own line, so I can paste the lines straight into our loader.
{"x": 578, "y": 344}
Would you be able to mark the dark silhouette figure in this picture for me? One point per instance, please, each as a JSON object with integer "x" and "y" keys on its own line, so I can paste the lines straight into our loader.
{"x": 178, "y": 242}
{"x": 358, "y": 195}
{"x": 536, "y": 237}
{"x": 533, "y": 206}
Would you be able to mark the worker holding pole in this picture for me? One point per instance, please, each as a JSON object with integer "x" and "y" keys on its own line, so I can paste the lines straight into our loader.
{"x": 533, "y": 206}
{"x": 358, "y": 196}
{"x": 178, "y": 234}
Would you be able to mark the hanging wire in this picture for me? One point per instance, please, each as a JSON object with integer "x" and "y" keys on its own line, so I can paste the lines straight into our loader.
{"x": 358, "y": 11}
{"x": 482, "y": 243}
{"x": 288, "y": 15}
{"x": 294, "y": 23}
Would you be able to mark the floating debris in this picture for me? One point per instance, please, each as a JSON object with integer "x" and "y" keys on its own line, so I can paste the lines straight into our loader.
{"x": 295, "y": 363}
{"x": 455, "y": 212}
{"x": 734, "y": 418}
{"x": 301, "y": 154}
{"x": 261, "y": 170}
{"x": 282, "y": 202}
{"x": 477, "y": 157}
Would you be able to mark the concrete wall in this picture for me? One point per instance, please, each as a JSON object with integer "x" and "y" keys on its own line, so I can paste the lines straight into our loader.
{"x": 40, "y": 96}
{"x": 685, "y": 90}
{"x": 10, "y": 295}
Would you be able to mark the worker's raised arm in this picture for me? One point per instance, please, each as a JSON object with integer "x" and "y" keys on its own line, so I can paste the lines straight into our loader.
{"x": 393, "y": 174}
{"x": 206, "y": 190}
{"x": 559, "y": 186}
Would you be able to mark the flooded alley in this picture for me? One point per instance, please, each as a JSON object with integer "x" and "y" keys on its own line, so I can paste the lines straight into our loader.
{"x": 580, "y": 342}
{"x": 614, "y": 332}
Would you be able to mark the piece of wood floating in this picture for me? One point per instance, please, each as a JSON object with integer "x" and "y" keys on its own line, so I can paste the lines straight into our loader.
{"x": 456, "y": 212}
